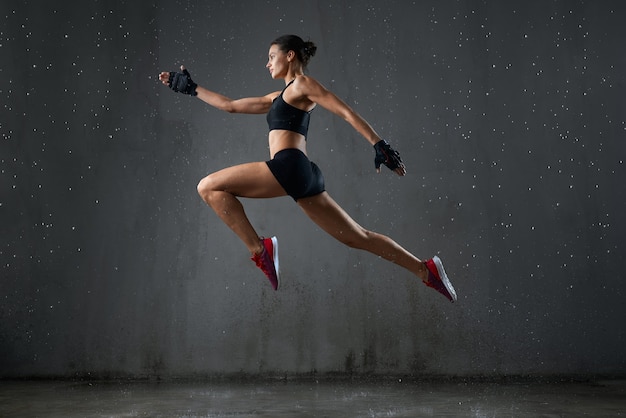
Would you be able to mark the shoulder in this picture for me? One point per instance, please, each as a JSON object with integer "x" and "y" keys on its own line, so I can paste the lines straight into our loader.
{"x": 303, "y": 82}
{"x": 308, "y": 86}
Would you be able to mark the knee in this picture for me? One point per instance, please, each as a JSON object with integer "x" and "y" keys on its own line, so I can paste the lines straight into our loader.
{"x": 205, "y": 188}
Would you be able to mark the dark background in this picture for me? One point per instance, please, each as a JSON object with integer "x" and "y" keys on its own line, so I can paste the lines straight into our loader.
{"x": 509, "y": 116}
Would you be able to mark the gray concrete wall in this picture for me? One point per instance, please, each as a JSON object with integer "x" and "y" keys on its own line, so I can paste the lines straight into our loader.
{"x": 511, "y": 120}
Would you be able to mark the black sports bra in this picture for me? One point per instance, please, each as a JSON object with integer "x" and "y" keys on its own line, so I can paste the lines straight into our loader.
{"x": 284, "y": 116}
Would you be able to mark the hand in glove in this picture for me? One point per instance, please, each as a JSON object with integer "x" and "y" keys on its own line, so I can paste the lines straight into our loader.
{"x": 388, "y": 156}
{"x": 179, "y": 82}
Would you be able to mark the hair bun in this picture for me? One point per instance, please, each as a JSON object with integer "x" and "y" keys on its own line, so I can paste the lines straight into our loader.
{"x": 310, "y": 48}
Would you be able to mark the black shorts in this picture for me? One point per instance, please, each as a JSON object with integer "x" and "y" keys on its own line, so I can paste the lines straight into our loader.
{"x": 299, "y": 176}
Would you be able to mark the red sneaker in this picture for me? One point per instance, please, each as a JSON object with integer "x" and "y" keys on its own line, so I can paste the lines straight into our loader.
{"x": 268, "y": 260}
{"x": 438, "y": 279}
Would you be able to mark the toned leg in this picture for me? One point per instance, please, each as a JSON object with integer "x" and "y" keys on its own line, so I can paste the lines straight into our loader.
{"x": 221, "y": 189}
{"x": 329, "y": 216}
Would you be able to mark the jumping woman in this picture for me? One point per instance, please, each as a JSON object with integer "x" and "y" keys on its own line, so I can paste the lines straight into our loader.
{"x": 289, "y": 172}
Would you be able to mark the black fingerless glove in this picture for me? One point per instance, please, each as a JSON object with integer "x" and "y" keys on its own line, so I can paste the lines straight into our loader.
{"x": 182, "y": 83}
{"x": 386, "y": 155}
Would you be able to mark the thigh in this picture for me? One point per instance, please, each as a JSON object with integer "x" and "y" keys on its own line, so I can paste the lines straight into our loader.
{"x": 329, "y": 216}
{"x": 254, "y": 180}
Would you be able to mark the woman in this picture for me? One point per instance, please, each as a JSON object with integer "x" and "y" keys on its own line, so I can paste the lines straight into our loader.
{"x": 290, "y": 172}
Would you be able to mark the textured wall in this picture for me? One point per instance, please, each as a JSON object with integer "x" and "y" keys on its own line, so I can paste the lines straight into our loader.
{"x": 511, "y": 120}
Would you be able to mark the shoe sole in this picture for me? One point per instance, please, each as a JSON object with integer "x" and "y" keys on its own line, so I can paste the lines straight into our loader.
{"x": 275, "y": 259}
{"x": 444, "y": 277}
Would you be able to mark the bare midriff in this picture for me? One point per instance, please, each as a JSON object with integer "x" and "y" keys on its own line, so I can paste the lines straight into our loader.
{"x": 280, "y": 139}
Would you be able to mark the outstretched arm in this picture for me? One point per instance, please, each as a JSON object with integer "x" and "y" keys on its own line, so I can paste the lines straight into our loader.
{"x": 315, "y": 92}
{"x": 252, "y": 105}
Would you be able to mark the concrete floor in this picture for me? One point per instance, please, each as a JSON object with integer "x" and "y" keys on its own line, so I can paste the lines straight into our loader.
{"x": 391, "y": 397}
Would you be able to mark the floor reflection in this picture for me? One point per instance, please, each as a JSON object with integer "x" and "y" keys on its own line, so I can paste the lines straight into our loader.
{"x": 313, "y": 398}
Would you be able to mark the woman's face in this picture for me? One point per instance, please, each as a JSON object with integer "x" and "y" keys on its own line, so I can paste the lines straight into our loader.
{"x": 277, "y": 63}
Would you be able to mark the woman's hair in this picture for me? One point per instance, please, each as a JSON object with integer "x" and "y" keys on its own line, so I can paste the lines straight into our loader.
{"x": 303, "y": 50}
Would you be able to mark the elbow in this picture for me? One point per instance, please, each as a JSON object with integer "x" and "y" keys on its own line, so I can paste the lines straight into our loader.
{"x": 225, "y": 108}
{"x": 228, "y": 107}
{"x": 220, "y": 103}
